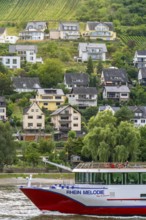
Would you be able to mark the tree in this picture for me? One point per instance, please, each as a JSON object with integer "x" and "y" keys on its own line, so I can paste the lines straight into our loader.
{"x": 108, "y": 141}
{"x": 31, "y": 154}
{"x": 124, "y": 114}
{"x": 90, "y": 66}
{"x": 51, "y": 73}
{"x": 7, "y": 145}
{"x": 5, "y": 84}
{"x": 99, "y": 67}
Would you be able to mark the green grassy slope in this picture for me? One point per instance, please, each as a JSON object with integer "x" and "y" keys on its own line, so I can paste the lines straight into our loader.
{"x": 25, "y": 10}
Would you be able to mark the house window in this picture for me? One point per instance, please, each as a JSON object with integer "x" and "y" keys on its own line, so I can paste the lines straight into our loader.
{"x": 75, "y": 125}
{"x": 142, "y": 121}
{"x": 57, "y": 103}
{"x": 39, "y": 125}
{"x": 45, "y": 103}
{"x": 75, "y": 118}
{"x": 7, "y": 61}
{"x": 14, "y": 61}
{"x": 30, "y": 117}
{"x": 2, "y": 110}
{"x": 124, "y": 94}
{"x": 74, "y": 111}
{"x": 58, "y": 97}
{"x": 32, "y": 110}
{"x": 135, "y": 121}
{"x": 31, "y": 58}
{"x": 39, "y": 116}
{"x": 30, "y": 124}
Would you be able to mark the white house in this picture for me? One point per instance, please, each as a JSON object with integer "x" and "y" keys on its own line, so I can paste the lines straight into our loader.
{"x": 119, "y": 93}
{"x": 83, "y": 97}
{"x": 35, "y": 30}
{"x": 69, "y": 30}
{"x": 139, "y": 59}
{"x": 96, "y": 51}
{"x": 26, "y": 52}
{"x": 3, "y": 34}
{"x": 2, "y": 109}
{"x": 11, "y": 39}
{"x": 11, "y": 62}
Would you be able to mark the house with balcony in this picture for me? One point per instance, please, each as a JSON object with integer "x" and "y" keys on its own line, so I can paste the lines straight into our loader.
{"x": 11, "y": 62}
{"x": 142, "y": 76}
{"x": 49, "y": 98}
{"x": 83, "y": 97}
{"x": 114, "y": 77}
{"x": 69, "y": 30}
{"x": 28, "y": 53}
{"x": 33, "y": 118}
{"x": 66, "y": 119}
{"x": 117, "y": 93}
{"x": 25, "y": 84}
{"x": 99, "y": 30}
{"x": 139, "y": 59}
{"x": 76, "y": 80}
{"x": 2, "y": 109}
{"x": 97, "y": 51}
{"x": 35, "y": 30}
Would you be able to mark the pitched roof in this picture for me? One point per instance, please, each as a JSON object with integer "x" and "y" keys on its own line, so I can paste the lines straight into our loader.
{"x": 76, "y": 78}
{"x": 115, "y": 75}
{"x": 106, "y": 107}
{"x": 93, "y": 24}
{"x": 2, "y": 101}
{"x": 117, "y": 89}
{"x": 26, "y": 109}
{"x": 69, "y": 24}
{"x": 141, "y": 52}
{"x": 85, "y": 46}
{"x": 141, "y": 109}
{"x": 18, "y": 47}
{"x": 2, "y": 30}
{"x": 26, "y": 82}
{"x": 143, "y": 72}
{"x": 84, "y": 90}
{"x": 59, "y": 110}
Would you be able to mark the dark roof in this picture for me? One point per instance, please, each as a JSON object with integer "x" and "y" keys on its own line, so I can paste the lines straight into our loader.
{"x": 77, "y": 78}
{"x": 59, "y": 110}
{"x": 26, "y": 82}
{"x": 84, "y": 90}
{"x": 2, "y": 30}
{"x": 18, "y": 47}
{"x": 143, "y": 72}
{"x": 115, "y": 75}
{"x": 69, "y": 24}
{"x": 138, "y": 109}
{"x": 93, "y": 24}
{"x": 141, "y": 52}
{"x": 2, "y": 101}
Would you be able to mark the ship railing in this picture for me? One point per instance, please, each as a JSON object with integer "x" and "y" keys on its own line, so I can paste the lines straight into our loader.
{"x": 97, "y": 165}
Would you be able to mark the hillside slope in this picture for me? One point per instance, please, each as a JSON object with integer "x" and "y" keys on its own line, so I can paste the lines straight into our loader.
{"x": 24, "y": 10}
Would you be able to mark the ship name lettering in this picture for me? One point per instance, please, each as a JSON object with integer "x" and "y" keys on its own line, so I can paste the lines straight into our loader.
{"x": 75, "y": 192}
{"x": 93, "y": 192}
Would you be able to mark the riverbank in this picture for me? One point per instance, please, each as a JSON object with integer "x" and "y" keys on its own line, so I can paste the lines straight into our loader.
{"x": 35, "y": 181}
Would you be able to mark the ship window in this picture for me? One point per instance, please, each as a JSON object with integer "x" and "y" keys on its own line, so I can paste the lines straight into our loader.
{"x": 142, "y": 195}
{"x": 116, "y": 178}
{"x": 132, "y": 178}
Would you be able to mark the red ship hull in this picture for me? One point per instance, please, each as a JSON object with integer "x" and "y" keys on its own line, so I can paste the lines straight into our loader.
{"x": 51, "y": 201}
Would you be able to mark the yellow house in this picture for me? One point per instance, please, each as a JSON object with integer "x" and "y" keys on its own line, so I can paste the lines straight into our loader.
{"x": 50, "y": 99}
{"x": 100, "y": 30}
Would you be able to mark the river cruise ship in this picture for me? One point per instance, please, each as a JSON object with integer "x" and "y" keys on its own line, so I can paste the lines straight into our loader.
{"x": 105, "y": 189}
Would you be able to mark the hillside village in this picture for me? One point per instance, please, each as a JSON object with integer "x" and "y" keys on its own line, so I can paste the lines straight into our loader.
{"x": 114, "y": 81}
{"x": 96, "y": 78}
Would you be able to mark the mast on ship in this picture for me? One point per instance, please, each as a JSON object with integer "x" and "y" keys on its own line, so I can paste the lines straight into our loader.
{"x": 57, "y": 165}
